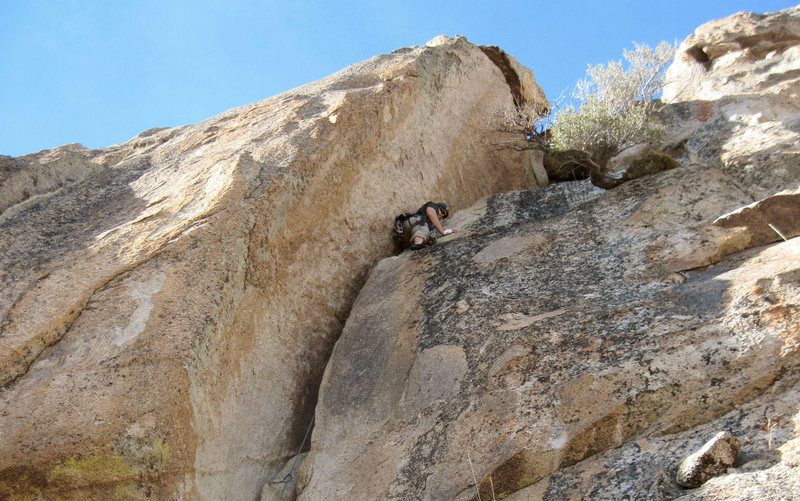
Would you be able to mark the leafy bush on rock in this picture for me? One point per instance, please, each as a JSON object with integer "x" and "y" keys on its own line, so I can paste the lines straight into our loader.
{"x": 612, "y": 109}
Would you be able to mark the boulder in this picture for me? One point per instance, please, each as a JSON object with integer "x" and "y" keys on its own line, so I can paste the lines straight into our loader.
{"x": 713, "y": 459}
{"x": 167, "y": 305}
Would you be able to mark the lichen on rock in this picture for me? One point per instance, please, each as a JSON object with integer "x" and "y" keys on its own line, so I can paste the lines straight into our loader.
{"x": 604, "y": 338}
{"x": 186, "y": 287}
{"x": 713, "y": 459}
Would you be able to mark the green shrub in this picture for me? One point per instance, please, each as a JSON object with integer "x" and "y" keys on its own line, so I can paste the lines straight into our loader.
{"x": 612, "y": 109}
{"x": 649, "y": 164}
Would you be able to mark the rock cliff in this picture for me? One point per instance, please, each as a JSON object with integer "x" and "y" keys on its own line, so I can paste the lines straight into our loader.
{"x": 167, "y": 305}
{"x": 571, "y": 343}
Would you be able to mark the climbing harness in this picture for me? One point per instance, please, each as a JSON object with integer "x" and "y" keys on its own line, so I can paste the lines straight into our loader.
{"x": 403, "y": 224}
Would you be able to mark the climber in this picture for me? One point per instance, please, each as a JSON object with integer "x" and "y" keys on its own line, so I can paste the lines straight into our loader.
{"x": 419, "y": 229}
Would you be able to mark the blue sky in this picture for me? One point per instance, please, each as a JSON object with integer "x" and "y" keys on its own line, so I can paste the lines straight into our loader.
{"x": 100, "y": 72}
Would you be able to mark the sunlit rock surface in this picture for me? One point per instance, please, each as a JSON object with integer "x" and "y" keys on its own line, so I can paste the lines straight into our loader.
{"x": 167, "y": 305}
{"x": 570, "y": 343}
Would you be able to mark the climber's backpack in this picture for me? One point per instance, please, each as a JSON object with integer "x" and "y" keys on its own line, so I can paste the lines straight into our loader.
{"x": 401, "y": 229}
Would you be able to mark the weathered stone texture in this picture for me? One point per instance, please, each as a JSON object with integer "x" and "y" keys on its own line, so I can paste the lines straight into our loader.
{"x": 768, "y": 220}
{"x": 605, "y": 335}
{"x": 167, "y": 305}
{"x": 712, "y": 460}
{"x": 743, "y": 54}
{"x": 734, "y": 87}
{"x": 645, "y": 468}
{"x": 582, "y": 328}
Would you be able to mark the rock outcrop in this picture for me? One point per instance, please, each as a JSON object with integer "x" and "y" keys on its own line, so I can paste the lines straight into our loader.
{"x": 167, "y": 305}
{"x": 733, "y": 91}
{"x": 570, "y": 343}
{"x": 712, "y": 460}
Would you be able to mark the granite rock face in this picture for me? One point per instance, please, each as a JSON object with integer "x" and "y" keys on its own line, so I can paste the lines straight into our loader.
{"x": 734, "y": 90}
{"x": 646, "y": 468}
{"x": 167, "y": 305}
{"x": 543, "y": 334}
{"x": 744, "y": 54}
{"x": 570, "y": 343}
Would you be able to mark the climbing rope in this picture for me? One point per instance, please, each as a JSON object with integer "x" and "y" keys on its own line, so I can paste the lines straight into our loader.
{"x": 288, "y": 477}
